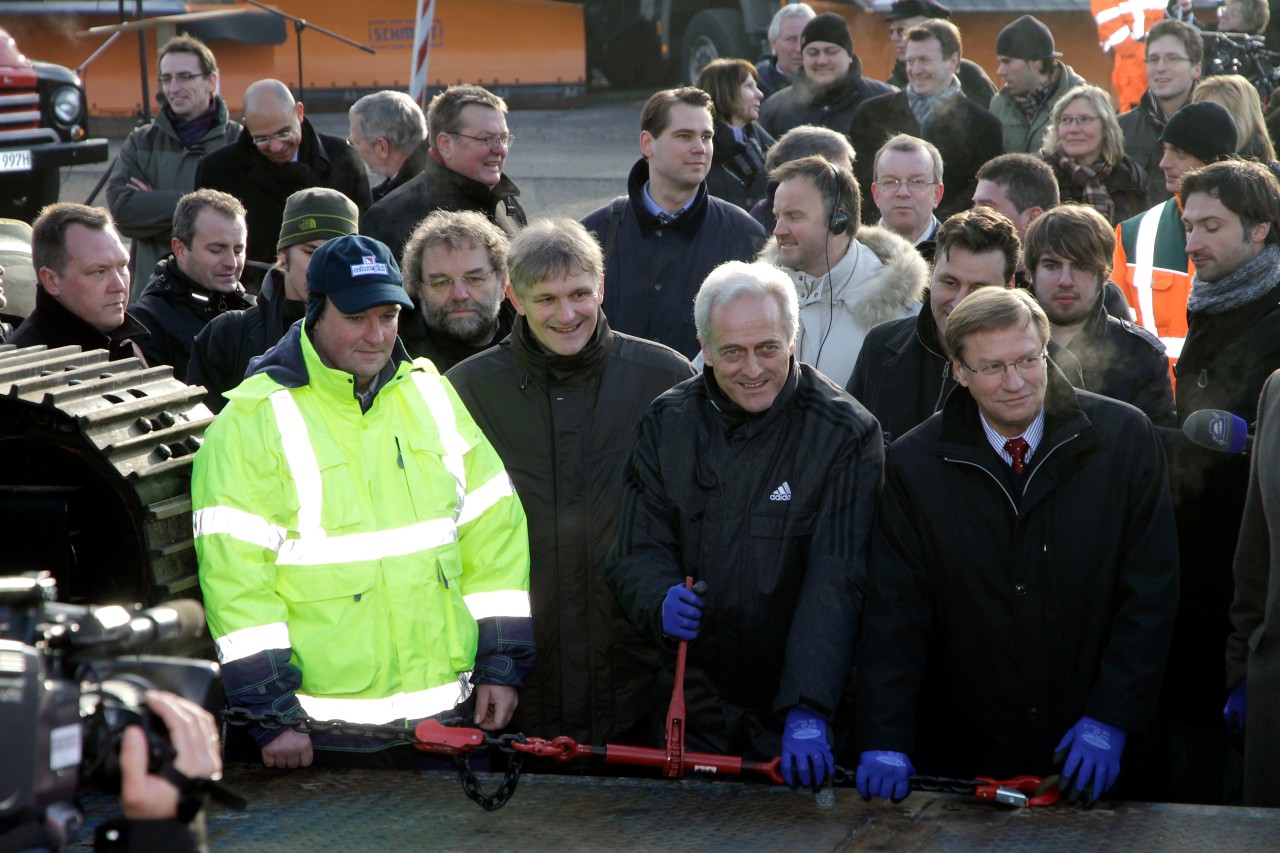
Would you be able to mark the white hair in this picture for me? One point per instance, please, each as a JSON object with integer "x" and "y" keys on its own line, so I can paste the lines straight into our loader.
{"x": 737, "y": 279}
{"x": 786, "y": 13}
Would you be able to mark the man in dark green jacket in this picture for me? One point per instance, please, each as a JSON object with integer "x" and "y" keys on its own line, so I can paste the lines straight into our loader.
{"x": 157, "y": 163}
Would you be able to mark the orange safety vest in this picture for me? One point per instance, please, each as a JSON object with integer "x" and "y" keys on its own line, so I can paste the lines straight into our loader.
{"x": 1121, "y": 23}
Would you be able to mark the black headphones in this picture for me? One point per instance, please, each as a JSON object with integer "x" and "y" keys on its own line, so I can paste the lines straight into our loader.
{"x": 839, "y": 222}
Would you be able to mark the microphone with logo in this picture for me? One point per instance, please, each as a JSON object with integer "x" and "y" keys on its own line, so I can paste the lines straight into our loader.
{"x": 1218, "y": 430}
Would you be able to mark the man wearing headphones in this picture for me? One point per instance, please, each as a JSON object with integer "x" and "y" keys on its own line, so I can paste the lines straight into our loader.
{"x": 848, "y": 278}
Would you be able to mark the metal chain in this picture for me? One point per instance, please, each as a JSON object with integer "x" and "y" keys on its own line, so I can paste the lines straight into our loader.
{"x": 273, "y": 720}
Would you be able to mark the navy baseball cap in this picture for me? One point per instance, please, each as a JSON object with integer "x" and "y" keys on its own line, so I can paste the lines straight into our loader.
{"x": 356, "y": 273}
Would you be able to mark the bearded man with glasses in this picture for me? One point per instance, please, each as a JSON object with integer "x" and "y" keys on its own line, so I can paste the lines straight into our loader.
{"x": 997, "y": 640}
{"x": 278, "y": 153}
{"x": 467, "y": 131}
{"x": 157, "y": 163}
{"x": 455, "y": 271}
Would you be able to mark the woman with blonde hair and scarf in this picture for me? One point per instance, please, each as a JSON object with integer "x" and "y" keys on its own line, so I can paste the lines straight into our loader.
{"x": 1085, "y": 148}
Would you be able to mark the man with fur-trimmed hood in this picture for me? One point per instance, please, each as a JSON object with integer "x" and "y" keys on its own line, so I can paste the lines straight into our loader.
{"x": 849, "y": 279}
{"x": 828, "y": 87}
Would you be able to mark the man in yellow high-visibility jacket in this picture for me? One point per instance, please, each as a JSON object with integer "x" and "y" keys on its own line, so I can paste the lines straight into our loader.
{"x": 362, "y": 552}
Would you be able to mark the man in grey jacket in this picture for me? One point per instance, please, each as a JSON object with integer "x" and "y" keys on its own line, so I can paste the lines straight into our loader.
{"x": 157, "y": 164}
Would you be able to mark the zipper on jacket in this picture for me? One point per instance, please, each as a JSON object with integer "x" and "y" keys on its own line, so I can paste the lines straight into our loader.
{"x": 1002, "y": 486}
{"x": 399, "y": 454}
{"x": 440, "y": 574}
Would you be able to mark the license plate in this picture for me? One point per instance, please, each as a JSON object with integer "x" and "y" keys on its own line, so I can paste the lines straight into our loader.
{"x": 15, "y": 161}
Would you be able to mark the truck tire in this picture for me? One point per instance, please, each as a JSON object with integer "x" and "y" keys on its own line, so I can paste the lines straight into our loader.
{"x": 713, "y": 34}
{"x": 22, "y": 196}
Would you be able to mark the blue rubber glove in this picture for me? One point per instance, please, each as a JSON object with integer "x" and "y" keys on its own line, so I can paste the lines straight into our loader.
{"x": 1092, "y": 750}
{"x": 681, "y": 613}
{"x": 806, "y": 752}
{"x": 1233, "y": 712}
{"x": 884, "y": 774}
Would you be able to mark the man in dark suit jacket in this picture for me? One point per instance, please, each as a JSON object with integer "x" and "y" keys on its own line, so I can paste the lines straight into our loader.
{"x": 278, "y": 153}
{"x": 932, "y": 107}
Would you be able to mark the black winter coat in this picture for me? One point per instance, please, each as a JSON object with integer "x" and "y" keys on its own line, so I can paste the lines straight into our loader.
{"x": 1224, "y": 363}
{"x": 832, "y": 106}
{"x": 393, "y": 219}
{"x": 1126, "y": 184}
{"x": 174, "y": 309}
{"x": 965, "y": 134}
{"x": 771, "y": 79}
{"x": 992, "y": 627}
{"x": 773, "y": 511}
{"x": 653, "y": 272}
{"x": 264, "y": 186}
{"x": 221, "y": 352}
{"x": 409, "y": 170}
{"x": 974, "y": 82}
{"x": 52, "y": 325}
{"x": 1121, "y": 360}
{"x": 563, "y": 426}
{"x": 902, "y": 377}
{"x": 737, "y": 168}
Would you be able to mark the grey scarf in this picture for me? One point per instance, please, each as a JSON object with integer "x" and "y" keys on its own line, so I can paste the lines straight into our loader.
{"x": 923, "y": 107}
{"x": 1241, "y": 287}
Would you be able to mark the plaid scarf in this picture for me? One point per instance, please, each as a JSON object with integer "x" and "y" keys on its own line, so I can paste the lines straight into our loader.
{"x": 1089, "y": 178}
{"x": 923, "y": 107}
{"x": 1030, "y": 103}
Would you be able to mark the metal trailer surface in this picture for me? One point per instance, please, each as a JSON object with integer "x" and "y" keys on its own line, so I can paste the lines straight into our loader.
{"x": 319, "y": 809}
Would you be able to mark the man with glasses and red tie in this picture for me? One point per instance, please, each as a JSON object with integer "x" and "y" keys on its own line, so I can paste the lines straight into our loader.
{"x": 467, "y": 130}
{"x": 157, "y": 163}
{"x": 278, "y": 153}
{"x": 1024, "y": 574}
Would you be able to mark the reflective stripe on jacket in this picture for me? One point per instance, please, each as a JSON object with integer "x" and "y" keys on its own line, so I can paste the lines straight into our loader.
{"x": 375, "y": 551}
{"x": 1154, "y": 272}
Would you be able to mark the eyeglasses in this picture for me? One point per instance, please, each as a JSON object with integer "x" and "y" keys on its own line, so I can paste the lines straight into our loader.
{"x": 1167, "y": 60}
{"x": 1025, "y": 366}
{"x": 278, "y": 136}
{"x": 505, "y": 140}
{"x": 182, "y": 77}
{"x": 916, "y": 186}
{"x": 1082, "y": 121}
{"x": 471, "y": 281}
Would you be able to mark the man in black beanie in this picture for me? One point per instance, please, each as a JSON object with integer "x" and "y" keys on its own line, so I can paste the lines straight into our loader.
{"x": 1155, "y": 273}
{"x": 1034, "y": 80}
{"x": 905, "y": 14}
{"x": 828, "y": 87}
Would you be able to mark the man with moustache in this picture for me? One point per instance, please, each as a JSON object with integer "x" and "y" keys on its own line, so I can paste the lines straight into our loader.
{"x": 667, "y": 233}
{"x": 560, "y": 398}
{"x": 200, "y": 280}
{"x": 455, "y": 271}
{"x": 758, "y": 477}
{"x": 83, "y": 272}
{"x": 1068, "y": 255}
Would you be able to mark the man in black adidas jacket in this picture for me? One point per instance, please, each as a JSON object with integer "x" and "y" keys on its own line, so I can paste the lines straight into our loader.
{"x": 759, "y": 478}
